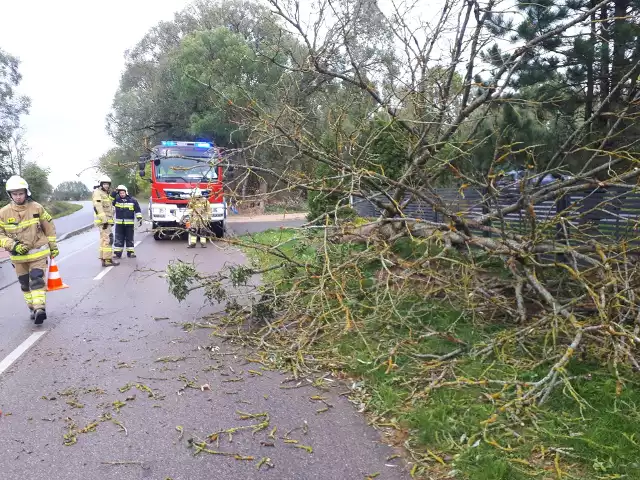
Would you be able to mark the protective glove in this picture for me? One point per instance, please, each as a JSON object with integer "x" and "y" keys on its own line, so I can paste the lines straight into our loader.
{"x": 54, "y": 250}
{"x": 20, "y": 249}
{"x": 140, "y": 222}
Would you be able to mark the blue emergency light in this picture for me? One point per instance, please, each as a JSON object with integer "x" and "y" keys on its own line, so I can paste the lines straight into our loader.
{"x": 173, "y": 143}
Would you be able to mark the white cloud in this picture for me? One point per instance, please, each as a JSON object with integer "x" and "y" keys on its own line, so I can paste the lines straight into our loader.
{"x": 72, "y": 56}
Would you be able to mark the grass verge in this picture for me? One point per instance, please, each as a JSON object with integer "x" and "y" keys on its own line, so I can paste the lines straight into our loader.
{"x": 588, "y": 429}
{"x": 59, "y": 209}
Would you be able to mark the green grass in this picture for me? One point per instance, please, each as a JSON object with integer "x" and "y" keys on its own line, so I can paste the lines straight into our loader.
{"x": 595, "y": 426}
{"x": 59, "y": 209}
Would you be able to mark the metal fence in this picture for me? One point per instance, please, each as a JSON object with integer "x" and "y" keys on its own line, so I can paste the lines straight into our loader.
{"x": 609, "y": 213}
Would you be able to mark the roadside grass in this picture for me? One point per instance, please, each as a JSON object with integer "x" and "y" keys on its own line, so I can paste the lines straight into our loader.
{"x": 59, "y": 209}
{"x": 56, "y": 208}
{"x": 588, "y": 429}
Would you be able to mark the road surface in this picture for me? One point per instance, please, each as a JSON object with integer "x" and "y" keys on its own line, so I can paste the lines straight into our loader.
{"x": 76, "y": 220}
{"x": 113, "y": 373}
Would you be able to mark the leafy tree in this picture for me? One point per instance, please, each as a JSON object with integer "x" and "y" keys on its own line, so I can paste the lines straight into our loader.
{"x": 157, "y": 99}
{"x": 12, "y": 106}
{"x": 71, "y": 190}
{"x": 38, "y": 179}
{"x": 122, "y": 167}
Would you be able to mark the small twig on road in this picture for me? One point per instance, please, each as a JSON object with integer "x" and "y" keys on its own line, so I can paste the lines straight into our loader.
{"x": 123, "y": 462}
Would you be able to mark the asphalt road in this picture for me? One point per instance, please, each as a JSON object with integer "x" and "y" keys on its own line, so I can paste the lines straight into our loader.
{"x": 87, "y": 377}
{"x": 76, "y": 220}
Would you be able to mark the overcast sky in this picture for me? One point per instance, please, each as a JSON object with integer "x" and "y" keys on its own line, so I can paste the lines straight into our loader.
{"x": 71, "y": 54}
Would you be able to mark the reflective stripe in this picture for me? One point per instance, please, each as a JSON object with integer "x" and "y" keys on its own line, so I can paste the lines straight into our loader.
{"x": 138, "y": 215}
{"x": 126, "y": 221}
{"x": 51, "y": 239}
{"x": 39, "y": 297}
{"x": 125, "y": 205}
{"x": 27, "y": 297}
{"x": 117, "y": 249}
{"x": 46, "y": 216}
{"x": 98, "y": 221}
{"x": 12, "y": 227}
{"x": 129, "y": 249}
{"x": 43, "y": 251}
{"x": 106, "y": 249}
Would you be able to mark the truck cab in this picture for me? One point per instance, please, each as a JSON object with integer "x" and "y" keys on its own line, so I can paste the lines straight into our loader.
{"x": 177, "y": 169}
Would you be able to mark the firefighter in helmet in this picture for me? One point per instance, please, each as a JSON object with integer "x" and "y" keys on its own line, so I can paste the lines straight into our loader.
{"x": 104, "y": 210}
{"x": 27, "y": 231}
{"x": 127, "y": 211}
{"x": 199, "y": 218}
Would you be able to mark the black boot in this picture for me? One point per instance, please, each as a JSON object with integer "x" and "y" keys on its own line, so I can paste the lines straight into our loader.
{"x": 118, "y": 255}
{"x": 39, "y": 316}
{"x": 110, "y": 263}
{"x": 131, "y": 255}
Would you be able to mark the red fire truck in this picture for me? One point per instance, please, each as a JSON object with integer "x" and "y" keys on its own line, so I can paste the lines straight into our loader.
{"x": 177, "y": 169}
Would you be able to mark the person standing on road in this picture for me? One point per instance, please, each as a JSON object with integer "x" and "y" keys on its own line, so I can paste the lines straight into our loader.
{"x": 199, "y": 219}
{"x": 28, "y": 232}
{"x": 127, "y": 211}
{"x": 103, "y": 209}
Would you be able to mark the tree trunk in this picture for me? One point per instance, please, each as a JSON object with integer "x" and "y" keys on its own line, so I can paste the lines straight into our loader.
{"x": 588, "y": 109}
{"x": 604, "y": 63}
{"x": 619, "y": 50}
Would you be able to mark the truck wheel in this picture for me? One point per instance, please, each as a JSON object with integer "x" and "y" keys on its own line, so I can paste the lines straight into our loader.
{"x": 157, "y": 235}
{"x": 218, "y": 229}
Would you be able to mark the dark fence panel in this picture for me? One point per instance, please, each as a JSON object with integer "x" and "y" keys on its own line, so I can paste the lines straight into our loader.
{"x": 609, "y": 214}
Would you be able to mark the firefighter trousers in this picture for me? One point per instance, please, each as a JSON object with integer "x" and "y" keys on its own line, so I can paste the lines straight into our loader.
{"x": 194, "y": 233}
{"x": 32, "y": 282}
{"x": 124, "y": 234}
{"x": 106, "y": 239}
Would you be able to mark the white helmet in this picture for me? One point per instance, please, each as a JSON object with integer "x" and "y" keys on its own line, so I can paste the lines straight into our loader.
{"x": 104, "y": 179}
{"x": 122, "y": 187}
{"x": 197, "y": 192}
{"x": 17, "y": 183}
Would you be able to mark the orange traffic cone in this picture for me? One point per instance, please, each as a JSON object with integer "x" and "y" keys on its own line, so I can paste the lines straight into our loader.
{"x": 54, "y": 282}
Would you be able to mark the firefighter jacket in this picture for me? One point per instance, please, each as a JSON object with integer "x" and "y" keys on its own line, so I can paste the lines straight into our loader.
{"x": 127, "y": 209}
{"x": 102, "y": 207}
{"x": 199, "y": 212}
{"x": 29, "y": 224}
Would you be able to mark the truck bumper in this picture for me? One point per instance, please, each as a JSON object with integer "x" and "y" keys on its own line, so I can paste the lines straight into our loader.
{"x": 169, "y": 220}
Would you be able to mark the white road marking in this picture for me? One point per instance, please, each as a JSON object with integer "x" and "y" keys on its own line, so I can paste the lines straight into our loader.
{"x": 103, "y": 273}
{"x": 137, "y": 243}
{"x": 17, "y": 353}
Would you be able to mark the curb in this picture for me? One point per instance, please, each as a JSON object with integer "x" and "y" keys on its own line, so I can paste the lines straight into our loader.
{"x": 63, "y": 237}
{"x": 75, "y": 232}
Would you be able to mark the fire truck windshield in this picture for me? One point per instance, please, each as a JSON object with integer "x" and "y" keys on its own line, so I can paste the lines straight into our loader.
{"x": 173, "y": 169}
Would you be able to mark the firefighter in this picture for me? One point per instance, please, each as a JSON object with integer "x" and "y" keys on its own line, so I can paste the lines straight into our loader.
{"x": 127, "y": 208}
{"x": 27, "y": 231}
{"x": 199, "y": 217}
{"x": 103, "y": 209}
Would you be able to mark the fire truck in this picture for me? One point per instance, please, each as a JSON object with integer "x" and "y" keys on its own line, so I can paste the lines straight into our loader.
{"x": 177, "y": 169}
